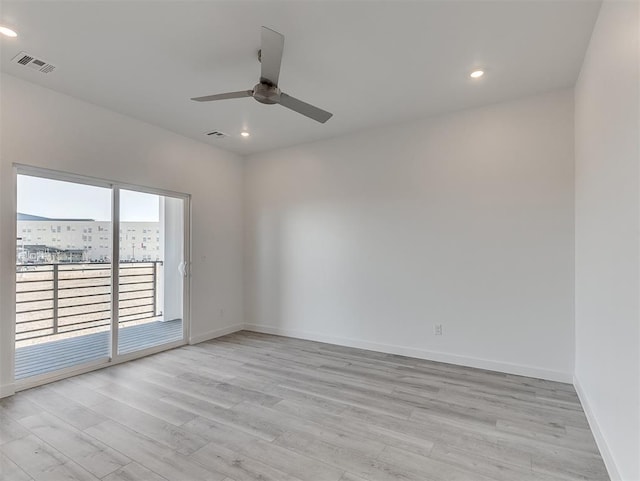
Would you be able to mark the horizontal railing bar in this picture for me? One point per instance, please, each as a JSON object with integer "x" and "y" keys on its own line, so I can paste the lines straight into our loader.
{"x": 43, "y": 299}
{"x": 35, "y": 320}
{"x": 84, "y": 287}
{"x": 86, "y": 295}
{"x": 83, "y": 278}
{"x": 32, "y": 281}
{"x": 135, "y": 283}
{"x": 151, "y": 296}
{"x": 134, "y": 307}
{"x": 40, "y": 319}
{"x": 34, "y": 330}
{"x": 101, "y": 302}
{"x": 143, "y": 262}
{"x": 84, "y": 314}
{"x": 66, "y": 264}
{"x": 82, "y": 305}
{"x": 47, "y": 328}
{"x": 36, "y": 300}
{"x": 62, "y": 326}
{"x": 92, "y": 286}
{"x": 148, "y": 296}
{"x": 35, "y": 268}
{"x": 32, "y": 291}
{"x": 103, "y": 294}
{"x": 79, "y": 278}
{"x": 35, "y": 310}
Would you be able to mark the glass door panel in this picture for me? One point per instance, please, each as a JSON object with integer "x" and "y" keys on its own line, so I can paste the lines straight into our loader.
{"x": 63, "y": 275}
{"x": 151, "y": 270}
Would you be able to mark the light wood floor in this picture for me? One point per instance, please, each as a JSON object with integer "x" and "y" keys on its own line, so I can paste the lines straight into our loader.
{"x": 255, "y": 407}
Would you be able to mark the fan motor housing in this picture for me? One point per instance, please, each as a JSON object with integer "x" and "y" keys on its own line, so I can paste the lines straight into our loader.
{"x": 266, "y": 94}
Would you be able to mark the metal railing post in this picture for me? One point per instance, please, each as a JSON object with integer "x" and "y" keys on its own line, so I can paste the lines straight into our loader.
{"x": 155, "y": 288}
{"x": 55, "y": 298}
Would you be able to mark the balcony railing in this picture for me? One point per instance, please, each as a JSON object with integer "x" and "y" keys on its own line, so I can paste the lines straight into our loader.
{"x": 55, "y": 301}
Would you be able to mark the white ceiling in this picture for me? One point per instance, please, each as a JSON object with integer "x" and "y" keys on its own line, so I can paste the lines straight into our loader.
{"x": 370, "y": 63}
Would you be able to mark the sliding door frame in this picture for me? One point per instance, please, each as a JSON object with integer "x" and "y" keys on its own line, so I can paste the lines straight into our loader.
{"x": 115, "y": 271}
{"x": 114, "y": 358}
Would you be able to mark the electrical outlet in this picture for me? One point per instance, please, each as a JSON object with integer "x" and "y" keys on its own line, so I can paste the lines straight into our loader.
{"x": 437, "y": 330}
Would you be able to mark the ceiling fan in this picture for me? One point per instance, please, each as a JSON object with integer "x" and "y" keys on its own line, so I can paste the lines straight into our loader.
{"x": 267, "y": 91}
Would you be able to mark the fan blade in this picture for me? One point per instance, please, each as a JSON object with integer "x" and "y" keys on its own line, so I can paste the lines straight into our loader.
{"x": 272, "y": 44}
{"x": 228, "y": 95}
{"x": 304, "y": 108}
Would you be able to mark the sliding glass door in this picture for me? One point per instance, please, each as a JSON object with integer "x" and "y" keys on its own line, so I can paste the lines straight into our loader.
{"x": 74, "y": 308}
{"x": 63, "y": 275}
{"x": 151, "y": 274}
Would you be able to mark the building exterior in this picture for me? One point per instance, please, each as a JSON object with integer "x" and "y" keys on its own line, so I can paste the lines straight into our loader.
{"x": 44, "y": 240}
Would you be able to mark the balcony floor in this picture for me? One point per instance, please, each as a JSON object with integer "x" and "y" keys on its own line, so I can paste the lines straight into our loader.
{"x": 64, "y": 353}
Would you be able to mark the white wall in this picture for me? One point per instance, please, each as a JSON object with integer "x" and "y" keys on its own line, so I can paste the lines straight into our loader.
{"x": 607, "y": 131}
{"x": 464, "y": 220}
{"x": 47, "y": 129}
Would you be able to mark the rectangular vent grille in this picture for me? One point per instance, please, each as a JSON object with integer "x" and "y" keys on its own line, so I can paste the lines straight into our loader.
{"x": 32, "y": 62}
{"x": 25, "y": 60}
{"x": 216, "y": 133}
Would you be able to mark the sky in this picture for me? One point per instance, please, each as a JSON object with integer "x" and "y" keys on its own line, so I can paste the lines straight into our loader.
{"x": 68, "y": 200}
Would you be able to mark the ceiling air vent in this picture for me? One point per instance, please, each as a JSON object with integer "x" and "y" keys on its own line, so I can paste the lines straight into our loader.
{"x": 216, "y": 133}
{"x": 27, "y": 60}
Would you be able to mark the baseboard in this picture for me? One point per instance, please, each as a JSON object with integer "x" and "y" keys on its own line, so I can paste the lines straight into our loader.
{"x": 508, "y": 368}
{"x": 612, "y": 468}
{"x": 215, "y": 333}
{"x": 7, "y": 390}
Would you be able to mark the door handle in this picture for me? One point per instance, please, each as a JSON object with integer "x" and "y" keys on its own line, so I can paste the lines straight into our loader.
{"x": 182, "y": 269}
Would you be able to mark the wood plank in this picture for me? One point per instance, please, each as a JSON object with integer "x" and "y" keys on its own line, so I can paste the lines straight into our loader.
{"x": 10, "y": 471}
{"x": 42, "y": 462}
{"x": 155, "y": 428}
{"x": 10, "y": 430}
{"x": 94, "y": 456}
{"x": 152, "y": 455}
{"x": 67, "y": 409}
{"x": 134, "y": 472}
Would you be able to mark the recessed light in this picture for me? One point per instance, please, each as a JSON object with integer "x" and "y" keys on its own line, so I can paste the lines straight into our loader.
{"x": 7, "y": 32}
{"x": 245, "y": 134}
{"x": 476, "y": 73}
